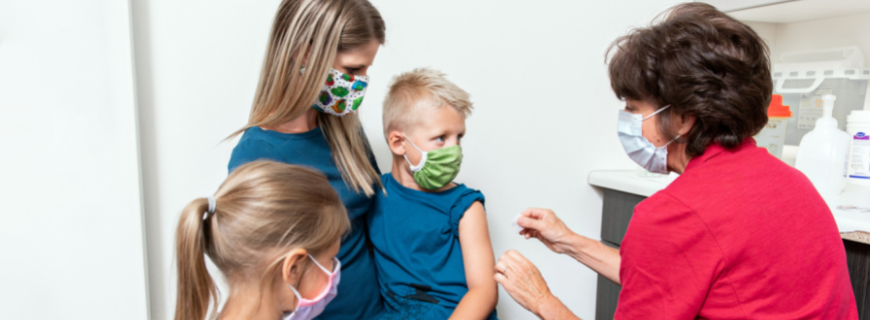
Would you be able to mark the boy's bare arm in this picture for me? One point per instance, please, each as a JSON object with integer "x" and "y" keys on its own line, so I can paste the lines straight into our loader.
{"x": 479, "y": 261}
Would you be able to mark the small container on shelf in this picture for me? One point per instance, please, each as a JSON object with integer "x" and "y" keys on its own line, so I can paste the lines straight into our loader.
{"x": 772, "y": 136}
{"x": 858, "y": 128}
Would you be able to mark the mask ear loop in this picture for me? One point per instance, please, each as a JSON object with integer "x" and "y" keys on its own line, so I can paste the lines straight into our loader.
{"x": 657, "y": 112}
{"x": 319, "y": 265}
{"x": 298, "y": 296}
{"x": 296, "y": 292}
{"x": 672, "y": 140}
{"x": 423, "y": 156}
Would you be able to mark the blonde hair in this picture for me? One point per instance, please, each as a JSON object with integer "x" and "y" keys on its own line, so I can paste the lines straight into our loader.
{"x": 318, "y": 29}
{"x": 263, "y": 209}
{"x": 421, "y": 89}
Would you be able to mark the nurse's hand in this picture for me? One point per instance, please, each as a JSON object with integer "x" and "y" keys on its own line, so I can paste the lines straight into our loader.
{"x": 549, "y": 229}
{"x": 522, "y": 280}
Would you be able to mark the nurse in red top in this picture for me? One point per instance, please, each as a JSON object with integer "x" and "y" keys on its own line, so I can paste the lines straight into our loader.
{"x": 740, "y": 234}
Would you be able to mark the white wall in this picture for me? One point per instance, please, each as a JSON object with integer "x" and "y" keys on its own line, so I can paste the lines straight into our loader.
{"x": 843, "y": 31}
{"x": 197, "y": 67}
{"x": 850, "y": 30}
{"x": 545, "y": 116}
{"x": 71, "y": 236}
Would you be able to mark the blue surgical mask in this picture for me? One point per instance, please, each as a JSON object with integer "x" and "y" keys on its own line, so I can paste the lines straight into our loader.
{"x": 653, "y": 159}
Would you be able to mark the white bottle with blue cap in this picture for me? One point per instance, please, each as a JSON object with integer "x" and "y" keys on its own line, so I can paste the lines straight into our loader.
{"x": 822, "y": 155}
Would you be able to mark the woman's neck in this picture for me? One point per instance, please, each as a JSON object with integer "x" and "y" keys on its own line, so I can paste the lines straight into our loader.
{"x": 304, "y": 123}
{"x": 249, "y": 302}
{"x": 678, "y": 160}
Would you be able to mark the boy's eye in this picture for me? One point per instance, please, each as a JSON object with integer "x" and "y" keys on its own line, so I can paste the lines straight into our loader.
{"x": 440, "y": 139}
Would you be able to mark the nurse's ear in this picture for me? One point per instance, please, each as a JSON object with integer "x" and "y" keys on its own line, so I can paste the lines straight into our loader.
{"x": 684, "y": 123}
{"x": 396, "y": 142}
{"x": 293, "y": 265}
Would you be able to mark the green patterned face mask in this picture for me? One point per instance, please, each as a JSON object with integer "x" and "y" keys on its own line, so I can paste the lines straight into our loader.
{"x": 437, "y": 168}
{"x": 341, "y": 94}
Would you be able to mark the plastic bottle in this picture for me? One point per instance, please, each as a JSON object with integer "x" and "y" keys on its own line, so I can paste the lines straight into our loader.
{"x": 858, "y": 128}
{"x": 772, "y": 136}
{"x": 822, "y": 154}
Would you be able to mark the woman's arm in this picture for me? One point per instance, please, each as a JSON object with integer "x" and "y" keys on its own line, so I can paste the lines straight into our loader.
{"x": 550, "y": 230}
{"x": 474, "y": 240}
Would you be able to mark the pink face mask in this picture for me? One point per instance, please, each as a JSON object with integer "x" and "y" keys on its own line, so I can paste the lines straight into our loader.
{"x": 309, "y": 309}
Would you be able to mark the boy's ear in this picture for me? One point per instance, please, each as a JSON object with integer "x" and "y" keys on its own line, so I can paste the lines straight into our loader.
{"x": 395, "y": 141}
{"x": 293, "y": 266}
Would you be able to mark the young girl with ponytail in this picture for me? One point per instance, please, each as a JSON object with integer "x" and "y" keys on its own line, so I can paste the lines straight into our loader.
{"x": 273, "y": 230}
{"x": 313, "y": 80}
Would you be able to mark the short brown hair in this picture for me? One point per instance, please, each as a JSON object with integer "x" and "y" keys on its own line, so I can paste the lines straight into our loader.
{"x": 703, "y": 63}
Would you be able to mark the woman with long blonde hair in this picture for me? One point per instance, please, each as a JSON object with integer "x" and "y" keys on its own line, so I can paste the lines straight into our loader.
{"x": 273, "y": 230}
{"x": 313, "y": 79}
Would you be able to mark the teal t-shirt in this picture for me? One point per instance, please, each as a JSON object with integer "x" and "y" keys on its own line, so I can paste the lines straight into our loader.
{"x": 358, "y": 296}
{"x": 417, "y": 253}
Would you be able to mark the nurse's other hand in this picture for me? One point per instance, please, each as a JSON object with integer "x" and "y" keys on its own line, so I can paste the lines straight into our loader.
{"x": 546, "y": 227}
{"x": 522, "y": 280}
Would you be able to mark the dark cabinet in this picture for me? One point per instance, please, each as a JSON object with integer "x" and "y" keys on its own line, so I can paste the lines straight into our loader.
{"x": 618, "y": 207}
{"x": 608, "y": 294}
{"x": 858, "y": 255}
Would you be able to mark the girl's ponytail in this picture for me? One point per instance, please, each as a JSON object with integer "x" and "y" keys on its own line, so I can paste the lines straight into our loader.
{"x": 262, "y": 211}
{"x": 196, "y": 289}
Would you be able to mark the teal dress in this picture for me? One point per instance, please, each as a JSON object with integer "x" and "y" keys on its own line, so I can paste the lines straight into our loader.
{"x": 358, "y": 295}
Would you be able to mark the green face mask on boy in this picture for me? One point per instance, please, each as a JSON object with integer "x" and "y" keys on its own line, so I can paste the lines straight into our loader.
{"x": 437, "y": 168}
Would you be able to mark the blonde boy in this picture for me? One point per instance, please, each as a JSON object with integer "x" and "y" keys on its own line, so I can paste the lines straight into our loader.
{"x": 431, "y": 243}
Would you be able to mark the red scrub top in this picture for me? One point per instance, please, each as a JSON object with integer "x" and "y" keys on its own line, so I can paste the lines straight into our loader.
{"x": 740, "y": 235}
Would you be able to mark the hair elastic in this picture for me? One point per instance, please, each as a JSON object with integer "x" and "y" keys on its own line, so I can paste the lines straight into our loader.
{"x": 212, "y": 203}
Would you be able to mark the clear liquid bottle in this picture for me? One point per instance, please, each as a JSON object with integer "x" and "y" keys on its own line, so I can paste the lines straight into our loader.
{"x": 822, "y": 155}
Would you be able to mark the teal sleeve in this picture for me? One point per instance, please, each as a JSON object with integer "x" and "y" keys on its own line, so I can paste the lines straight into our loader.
{"x": 465, "y": 200}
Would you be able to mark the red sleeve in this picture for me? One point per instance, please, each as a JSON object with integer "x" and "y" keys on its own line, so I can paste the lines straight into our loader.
{"x": 669, "y": 261}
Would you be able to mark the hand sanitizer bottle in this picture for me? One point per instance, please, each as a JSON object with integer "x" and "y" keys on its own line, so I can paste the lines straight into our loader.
{"x": 822, "y": 155}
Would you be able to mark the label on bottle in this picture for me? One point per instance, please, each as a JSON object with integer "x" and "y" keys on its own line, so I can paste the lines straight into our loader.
{"x": 859, "y": 164}
{"x": 811, "y": 109}
{"x": 772, "y": 136}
